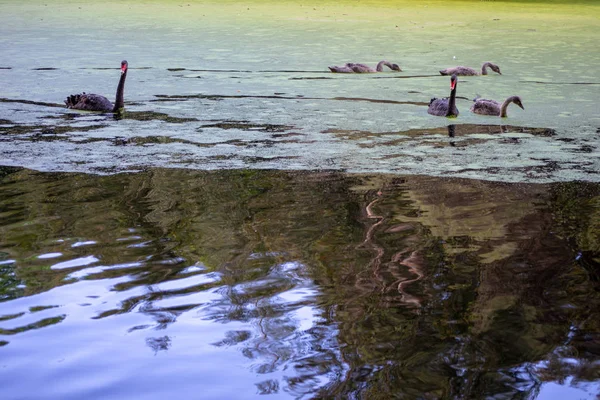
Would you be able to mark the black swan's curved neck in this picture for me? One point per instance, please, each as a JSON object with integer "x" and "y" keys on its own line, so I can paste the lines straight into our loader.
{"x": 511, "y": 99}
{"x": 505, "y": 106}
{"x": 119, "y": 102}
{"x": 484, "y": 67}
{"x": 380, "y": 65}
{"x": 452, "y": 103}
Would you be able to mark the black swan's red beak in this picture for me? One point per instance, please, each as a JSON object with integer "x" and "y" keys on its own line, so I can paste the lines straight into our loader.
{"x": 123, "y": 67}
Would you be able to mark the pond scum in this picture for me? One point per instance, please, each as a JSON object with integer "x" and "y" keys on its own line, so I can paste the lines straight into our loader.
{"x": 254, "y": 225}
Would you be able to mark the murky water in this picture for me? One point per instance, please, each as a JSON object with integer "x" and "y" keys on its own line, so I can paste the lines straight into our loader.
{"x": 251, "y": 65}
{"x": 280, "y": 230}
{"x": 296, "y": 284}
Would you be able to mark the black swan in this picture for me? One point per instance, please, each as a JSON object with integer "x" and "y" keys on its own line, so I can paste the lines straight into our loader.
{"x": 349, "y": 68}
{"x": 96, "y": 102}
{"x": 445, "y": 107}
{"x": 466, "y": 71}
{"x": 492, "y": 107}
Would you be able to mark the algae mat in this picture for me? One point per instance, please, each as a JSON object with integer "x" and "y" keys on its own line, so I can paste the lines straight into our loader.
{"x": 246, "y": 85}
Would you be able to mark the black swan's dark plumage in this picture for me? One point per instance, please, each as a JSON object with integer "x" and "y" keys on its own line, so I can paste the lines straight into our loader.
{"x": 492, "y": 107}
{"x": 467, "y": 71}
{"x": 445, "y": 107}
{"x": 96, "y": 102}
{"x": 358, "y": 68}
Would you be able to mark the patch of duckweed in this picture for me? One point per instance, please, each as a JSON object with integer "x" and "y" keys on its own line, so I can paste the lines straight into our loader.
{"x": 216, "y": 97}
{"x": 287, "y": 134}
{"x": 166, "y": 98}
{"x": 256, "y": 160}
{"x": 44, "y": 130}
{"x": 586, "y": 148}
{"x": 146, "y": 140}
{"x": 248, "y": 126}
{"x": 37, "y": 103}
{"x": 152, "y": 116}
{"x": 450, "y": 130}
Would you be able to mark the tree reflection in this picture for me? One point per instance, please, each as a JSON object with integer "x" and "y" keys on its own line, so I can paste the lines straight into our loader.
{"x": 331, "y": 285}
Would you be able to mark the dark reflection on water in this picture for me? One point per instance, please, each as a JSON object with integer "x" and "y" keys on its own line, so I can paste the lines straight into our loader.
{"x": 296, "y": 284}
{"x": 169, "y": 98}
{"x": 451, "y": 130}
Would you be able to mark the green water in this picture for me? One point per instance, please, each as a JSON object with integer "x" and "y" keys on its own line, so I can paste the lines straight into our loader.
{"x": 266, "y": 63}
{"x": 255, "y": 225}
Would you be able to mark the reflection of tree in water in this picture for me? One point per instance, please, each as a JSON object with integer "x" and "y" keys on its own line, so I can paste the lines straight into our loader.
{"x": 320, "y": 274}
{"x": 494, "y": 314}
{"x": 395, "y": 274}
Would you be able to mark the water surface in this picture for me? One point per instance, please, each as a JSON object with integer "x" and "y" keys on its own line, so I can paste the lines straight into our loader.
{"x": 256, "y": 225}
{"x": 200, "y": 65}
{"x": 296, "y": 284}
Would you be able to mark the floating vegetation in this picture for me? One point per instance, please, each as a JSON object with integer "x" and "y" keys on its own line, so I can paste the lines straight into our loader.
{"x": 584, "y": 149}
{"x": 74, "y": 116}
{"x": 255, "y": 160}
{"x": 152, "y": 115}
{"x": 278, "y": 135}
{"x": 450, "y": 130}
{"x": 44, "y": 130}
{"x": 248, "y": 126}
{"x": 37, "y": 103}
{"x": 164, "y": 97}
{"x": 148, "y": 140}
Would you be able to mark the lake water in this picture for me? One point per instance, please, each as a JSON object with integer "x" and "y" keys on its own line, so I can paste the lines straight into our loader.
{"x": 256, "y": 225}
